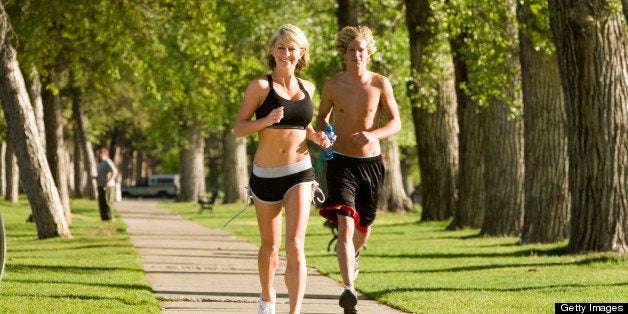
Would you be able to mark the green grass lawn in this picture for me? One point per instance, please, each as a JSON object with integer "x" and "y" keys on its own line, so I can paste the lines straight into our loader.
{"x": 97, "y": 271}
{"x": 417, "y": 267}
{"x": 422, "y": 268}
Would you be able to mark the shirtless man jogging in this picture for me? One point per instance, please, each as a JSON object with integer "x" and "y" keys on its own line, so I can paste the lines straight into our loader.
{"x": 357, "y": 97}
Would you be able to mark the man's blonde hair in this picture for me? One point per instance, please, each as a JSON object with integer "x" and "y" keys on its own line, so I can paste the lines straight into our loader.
{"x": 350, "y": 33}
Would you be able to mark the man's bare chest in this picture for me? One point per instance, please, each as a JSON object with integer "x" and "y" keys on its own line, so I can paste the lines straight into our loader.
{"x": 357, "y": 102}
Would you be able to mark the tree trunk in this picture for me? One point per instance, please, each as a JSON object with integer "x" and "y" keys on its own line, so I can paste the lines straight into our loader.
{"x": 393, "y": 197}
{"x": 3, "y": 168}
{"x": 132, "y": 169}
{"x": 78, "y": 182}
{"x": 12, "y": 192}
{"x": 436, "y": 127}
{"x": 437, "y": 147}
{"x": 348, "y": 13}
{"x": 3, "y": 247}
{"x": 34, "y": 171}
{"x": 68, "y": 165}
{"x": 85, "y": 146}
{"x": 591, "y": 48}
{"x": 215, "y": 156}
{"x": 143, "y": 167}
{"x": 504, "y": 178}
{"x": 470, "y": 210}
{"x": 235, "y": 172}
{"x": 504, "y": 149}
{"x": 547, "y": 198}
{"x": 34, "y": 93}
{"x": 54, "y": 144}
{"x": 407, "y": 164}
{"x": 192, "y": 165}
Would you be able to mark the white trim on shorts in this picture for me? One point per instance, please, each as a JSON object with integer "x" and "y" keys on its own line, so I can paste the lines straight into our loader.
{"x": 277, "y": 172}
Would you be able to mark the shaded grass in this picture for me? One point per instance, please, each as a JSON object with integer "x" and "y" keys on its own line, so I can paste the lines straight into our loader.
{"x": 98, "y": 270}
{"x": 420, "y": 267}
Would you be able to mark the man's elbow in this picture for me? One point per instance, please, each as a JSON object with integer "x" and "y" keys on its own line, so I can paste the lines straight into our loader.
{"x": 237, "y": 131}
{"x": 396, "y": 126}
{"x": 238, "y": 134}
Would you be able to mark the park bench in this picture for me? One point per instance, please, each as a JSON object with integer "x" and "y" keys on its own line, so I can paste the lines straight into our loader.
{"x": 206, "y": 203}
{"x": 334, "y": 234}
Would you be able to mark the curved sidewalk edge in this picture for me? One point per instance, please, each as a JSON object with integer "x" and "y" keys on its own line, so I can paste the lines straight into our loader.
{"x": 194, "y": 269}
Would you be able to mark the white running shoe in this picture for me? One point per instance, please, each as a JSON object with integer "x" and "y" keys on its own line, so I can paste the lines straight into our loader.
{"x": 264, "y": 307}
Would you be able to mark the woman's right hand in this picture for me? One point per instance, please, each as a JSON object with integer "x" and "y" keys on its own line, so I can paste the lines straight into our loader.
{"x": 275, "y": 116}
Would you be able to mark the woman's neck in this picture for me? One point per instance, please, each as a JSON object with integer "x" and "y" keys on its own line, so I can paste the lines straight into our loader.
{"x": 284, "y": 78}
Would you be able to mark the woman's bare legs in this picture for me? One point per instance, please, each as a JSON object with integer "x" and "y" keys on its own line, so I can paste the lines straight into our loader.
{"x": 297, "y": 202}
{"x": 269, "y": 223}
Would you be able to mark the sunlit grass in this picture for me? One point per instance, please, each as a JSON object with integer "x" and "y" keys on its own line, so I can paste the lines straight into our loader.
{"x": 97, "y": 271}
{"x": 422, "y": 268}
{"x": 415, "y": 266}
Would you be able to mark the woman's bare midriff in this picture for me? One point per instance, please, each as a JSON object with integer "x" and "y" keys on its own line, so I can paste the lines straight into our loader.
{"x": 280, "y": 147}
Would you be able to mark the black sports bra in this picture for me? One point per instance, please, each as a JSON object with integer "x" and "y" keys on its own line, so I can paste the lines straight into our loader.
{"x": 297, "y": 114}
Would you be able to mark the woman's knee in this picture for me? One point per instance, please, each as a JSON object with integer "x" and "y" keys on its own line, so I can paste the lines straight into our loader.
{"x": 295, "y": 249}
{"x": 269, "y": 249}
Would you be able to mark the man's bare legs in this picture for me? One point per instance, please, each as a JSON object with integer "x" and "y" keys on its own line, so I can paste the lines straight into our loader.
{"x": 269, "y": 222}
{"x": 349, "y": 242}
{"x": 297, "y": 202}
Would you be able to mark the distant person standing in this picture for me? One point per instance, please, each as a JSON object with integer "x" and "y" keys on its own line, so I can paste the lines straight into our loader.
{"x": 106, "y": 182}
{"x": 355, "y": 175}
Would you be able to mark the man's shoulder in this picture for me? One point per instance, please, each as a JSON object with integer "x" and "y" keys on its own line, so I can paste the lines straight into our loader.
{"x": 331, "y": 84}
{"x": 378, "y": 78}
{"x": 335, "y": 79}
{"x": 109, "y": 162}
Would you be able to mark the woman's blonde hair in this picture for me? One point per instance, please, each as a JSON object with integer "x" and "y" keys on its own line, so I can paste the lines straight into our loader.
{"x": 350, "y": 33}
{"x": 292, "y": 35}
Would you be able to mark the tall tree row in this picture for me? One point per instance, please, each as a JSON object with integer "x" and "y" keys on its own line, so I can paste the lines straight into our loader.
{"x": 503, "y": 130}
{"x": 433, "y": 100}
{"x": 55, "y": 147}
{"x": 470, "y": 207}
{"x": 487, "y": 84}
{"x": 34, "y": 170}
{"x": 161, "y": 82}
{"x": 12, "y": 172}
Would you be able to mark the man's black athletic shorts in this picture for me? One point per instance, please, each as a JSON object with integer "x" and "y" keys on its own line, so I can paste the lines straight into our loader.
{"x": 353, "y": 186}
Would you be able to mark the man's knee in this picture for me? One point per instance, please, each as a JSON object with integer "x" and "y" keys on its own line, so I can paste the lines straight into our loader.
{"x": 345, "y": 222}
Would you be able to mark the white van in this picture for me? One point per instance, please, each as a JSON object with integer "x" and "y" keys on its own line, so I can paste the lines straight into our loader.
{"x": 159, "y": 185}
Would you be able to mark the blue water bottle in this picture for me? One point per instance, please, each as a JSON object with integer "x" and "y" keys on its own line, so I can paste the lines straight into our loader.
{"x": 328, "y": 154}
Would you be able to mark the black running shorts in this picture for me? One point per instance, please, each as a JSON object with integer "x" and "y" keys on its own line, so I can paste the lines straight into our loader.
{"x": 354, "y": 185}
{"x": 272, "y": 190}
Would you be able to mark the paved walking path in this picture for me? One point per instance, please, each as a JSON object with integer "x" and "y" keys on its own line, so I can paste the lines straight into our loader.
{"x": 194, "y": 269}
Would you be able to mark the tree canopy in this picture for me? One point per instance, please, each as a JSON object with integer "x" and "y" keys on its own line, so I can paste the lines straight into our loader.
{"x": 150, "y": 72}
